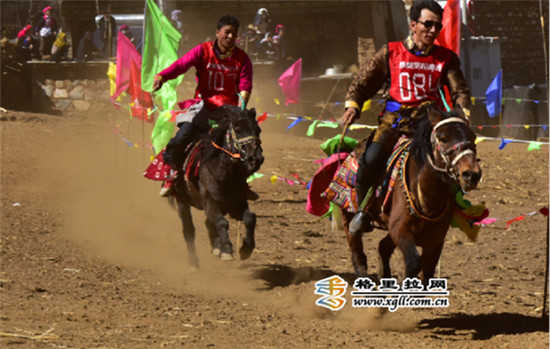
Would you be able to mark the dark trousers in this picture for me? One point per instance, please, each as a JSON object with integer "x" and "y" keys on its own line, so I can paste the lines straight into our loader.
{"x": 174, "y": 155}
{"x": 46, "y": 45}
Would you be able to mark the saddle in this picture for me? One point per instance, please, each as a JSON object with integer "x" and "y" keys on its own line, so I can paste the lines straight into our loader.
{"x": 191, "y": 164}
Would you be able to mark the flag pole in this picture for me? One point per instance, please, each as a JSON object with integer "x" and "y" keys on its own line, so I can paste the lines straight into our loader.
{"x": 544, "y": 306}
{"x": 544, "y": 45}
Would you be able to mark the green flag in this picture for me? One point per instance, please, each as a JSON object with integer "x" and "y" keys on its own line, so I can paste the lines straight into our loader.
{"x": 162, "y": 132}
{"x": 160, "y": 49}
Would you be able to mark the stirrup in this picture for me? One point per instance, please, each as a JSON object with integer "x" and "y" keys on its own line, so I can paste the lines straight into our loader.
{"x": 361, "y": 223}
{"x": 167, "y": 188}
{"x": 168, "y": 185}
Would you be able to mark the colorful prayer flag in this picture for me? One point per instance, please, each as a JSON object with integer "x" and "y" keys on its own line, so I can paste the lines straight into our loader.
{"x": 290, "y": 82}
{"x": 160, "y": 49}
{"x": 125, "y": 53}
{"x": 449, "y": 36}
{"x": 494, "y": 96}
{"x": 141, "y": 100}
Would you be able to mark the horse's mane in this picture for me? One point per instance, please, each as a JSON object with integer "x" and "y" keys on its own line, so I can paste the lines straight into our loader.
{"x": 421, "y": 144}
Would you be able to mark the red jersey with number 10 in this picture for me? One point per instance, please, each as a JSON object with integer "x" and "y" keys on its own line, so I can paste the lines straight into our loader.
{"x": 416, "y": 79}
{"x": 219, "y": 78}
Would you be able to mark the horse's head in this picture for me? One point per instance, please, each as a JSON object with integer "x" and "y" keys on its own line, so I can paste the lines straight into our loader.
{"x": 454, "y": 148}
{"x": 245, "y": 136}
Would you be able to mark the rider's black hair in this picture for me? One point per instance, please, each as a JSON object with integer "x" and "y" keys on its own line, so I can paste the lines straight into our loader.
{"x": 228, "y": 20}
{"x": 418, "y": 6}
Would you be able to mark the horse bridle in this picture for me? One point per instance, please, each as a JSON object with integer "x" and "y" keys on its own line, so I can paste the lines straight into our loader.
{"x": 450, "y": 165}
{"x": 238, "y": 143}
{"x": 464, "y": 148}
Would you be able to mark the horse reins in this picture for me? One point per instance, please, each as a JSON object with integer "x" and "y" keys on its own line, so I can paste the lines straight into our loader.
{"x": 408, "y": 197}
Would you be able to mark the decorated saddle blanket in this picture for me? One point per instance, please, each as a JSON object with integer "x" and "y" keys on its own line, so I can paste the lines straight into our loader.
{"x": 341, "y": 190}
{"x": 158, "y": 170}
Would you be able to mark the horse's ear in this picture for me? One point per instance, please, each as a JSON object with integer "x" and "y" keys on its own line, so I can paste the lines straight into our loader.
{"x": 252, "y": 113}
{"x": 434, "y": 114}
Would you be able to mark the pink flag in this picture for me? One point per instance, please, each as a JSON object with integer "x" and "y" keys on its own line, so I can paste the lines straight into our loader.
{"x": 125, "y": 53}
{"x": 290, "y": 82}
{"x": 450, "y": 34}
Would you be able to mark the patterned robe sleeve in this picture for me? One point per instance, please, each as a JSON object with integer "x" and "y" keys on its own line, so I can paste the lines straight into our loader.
{"x": 369, "y": 80}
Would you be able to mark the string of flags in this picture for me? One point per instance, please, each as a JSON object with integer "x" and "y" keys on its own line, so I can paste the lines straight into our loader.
{"x": 488, "y": 221}
{"x": 316, "y": 123}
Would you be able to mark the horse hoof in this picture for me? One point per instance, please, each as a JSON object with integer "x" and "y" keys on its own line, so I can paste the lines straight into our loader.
{"x": 216, "y": 252}
{"x": 224, "y": 256}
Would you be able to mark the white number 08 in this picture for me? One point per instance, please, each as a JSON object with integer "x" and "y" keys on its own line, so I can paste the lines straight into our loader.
{"x": 419, "y": 87}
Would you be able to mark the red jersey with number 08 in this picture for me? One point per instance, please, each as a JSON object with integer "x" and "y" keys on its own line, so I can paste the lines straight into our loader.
{"x": 416, "y": 79}
{"x": 219, "y": 78}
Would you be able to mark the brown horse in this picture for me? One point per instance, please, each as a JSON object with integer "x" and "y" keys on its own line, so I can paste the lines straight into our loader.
{"x": 225, "y": 158}
{"x": 420, "y": 208}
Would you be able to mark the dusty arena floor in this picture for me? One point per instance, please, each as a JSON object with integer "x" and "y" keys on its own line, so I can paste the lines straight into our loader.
{"x": 92, "y": 257}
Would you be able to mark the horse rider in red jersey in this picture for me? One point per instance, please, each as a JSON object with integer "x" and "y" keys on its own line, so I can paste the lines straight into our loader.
{"x": 416, "y": 69}
{"x": 224, "y": 75}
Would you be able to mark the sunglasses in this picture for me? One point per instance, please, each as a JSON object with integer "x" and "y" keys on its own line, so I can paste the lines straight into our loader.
{"x": 430, "y": 24}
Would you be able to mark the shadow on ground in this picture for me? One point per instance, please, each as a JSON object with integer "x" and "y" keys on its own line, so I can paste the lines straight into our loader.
{"x": 278, "y": 275}
{"x": 486, "y": 326}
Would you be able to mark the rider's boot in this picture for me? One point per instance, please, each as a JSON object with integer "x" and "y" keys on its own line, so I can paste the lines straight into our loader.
{"x": 362, "y": 221}
{"x": 167, "y": 188}
{"x": 369, "y": 166}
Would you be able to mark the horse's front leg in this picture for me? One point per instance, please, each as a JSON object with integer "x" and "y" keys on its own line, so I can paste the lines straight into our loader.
{"x": 214, "y": 238}
{"x": 249, "y": 219}
{"x": 215, "y": 216}
{"x": 428, "y": 261}
{"x": 385, "y": 250}
{"x": 403, "y": 238}
{"x": 184, "y": 213}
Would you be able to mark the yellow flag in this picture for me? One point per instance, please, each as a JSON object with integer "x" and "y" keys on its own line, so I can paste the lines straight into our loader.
{"x": 366, "y": 106}
{"x": 111, "y": 73}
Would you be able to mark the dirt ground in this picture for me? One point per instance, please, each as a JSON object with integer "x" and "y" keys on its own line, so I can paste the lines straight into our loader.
{"x": 92, "y": 257}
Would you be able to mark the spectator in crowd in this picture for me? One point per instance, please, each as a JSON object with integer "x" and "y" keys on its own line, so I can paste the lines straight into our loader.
{"x": 60, "y": 47}
{"x": 86, "y": 48}
{"x": 24, "y": 44}
{"x": 126, "y": 31}
{"x": 47, "y": 30}
{"x": 266, "y": 45}
{"x": 262, "y": 21}
{"x": 279, "y": 42}
{"x": 251, "y": 40}
{"x": 105, "y": 35}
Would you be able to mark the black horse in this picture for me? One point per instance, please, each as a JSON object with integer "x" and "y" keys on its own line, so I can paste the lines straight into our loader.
{"x": 226, "y": 156}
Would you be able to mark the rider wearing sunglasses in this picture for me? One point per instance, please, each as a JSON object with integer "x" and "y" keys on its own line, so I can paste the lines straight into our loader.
{"x": 415, "y": 70}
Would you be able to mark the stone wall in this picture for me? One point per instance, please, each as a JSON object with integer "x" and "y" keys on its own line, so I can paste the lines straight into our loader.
{"x": 76, "y": 96}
